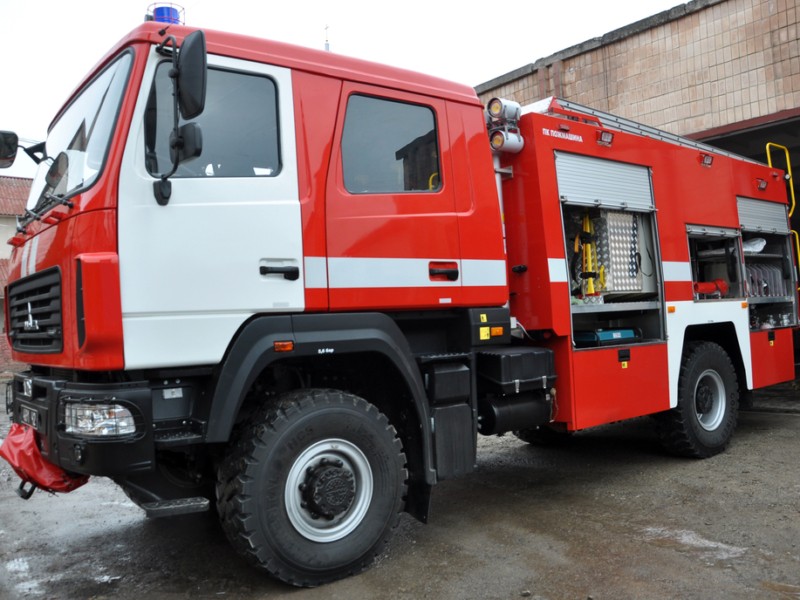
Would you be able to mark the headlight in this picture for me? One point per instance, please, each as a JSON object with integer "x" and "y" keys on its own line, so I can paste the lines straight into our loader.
{"x": 101, "y": 420}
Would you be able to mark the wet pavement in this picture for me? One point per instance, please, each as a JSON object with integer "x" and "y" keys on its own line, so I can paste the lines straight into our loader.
{"x": 609, "y": 515}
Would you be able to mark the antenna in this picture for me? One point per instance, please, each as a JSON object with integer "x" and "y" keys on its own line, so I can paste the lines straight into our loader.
{"x": 327, "y": 45}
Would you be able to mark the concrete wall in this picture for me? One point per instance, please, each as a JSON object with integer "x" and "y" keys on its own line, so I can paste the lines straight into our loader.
{"x": 702, "y": 65}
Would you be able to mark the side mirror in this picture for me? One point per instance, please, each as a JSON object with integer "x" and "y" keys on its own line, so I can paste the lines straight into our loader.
{"x": 192, "y": 67}
{"x": 189, "y": 91}
{"x": 57, "y": 170}
{"x": 8, "y": 148}
{"x": 185, "y": 143}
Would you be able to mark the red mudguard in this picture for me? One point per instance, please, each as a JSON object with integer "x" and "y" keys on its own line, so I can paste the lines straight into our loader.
{"x": 21, "y": 450}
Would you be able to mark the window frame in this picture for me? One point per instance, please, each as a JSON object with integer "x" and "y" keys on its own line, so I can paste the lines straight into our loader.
{"x": 393, "y": 100}
{"x": 277, "y": 121}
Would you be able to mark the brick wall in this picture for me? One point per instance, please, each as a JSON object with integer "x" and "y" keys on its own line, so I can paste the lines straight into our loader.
{"x": 702, "y": 65}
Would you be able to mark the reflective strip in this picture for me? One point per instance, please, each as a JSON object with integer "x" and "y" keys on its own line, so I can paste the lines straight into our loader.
{"x": 316, "y": 272}
{"x": 26, "y": 251}
{"x": 677, "y": 271}
{"x": 407, "y": 272}
{"x": 558, "y": 270}
{"x": 29, "y": 257}
{"x": 480, "y": 273}
{"x": 34, "y": 258}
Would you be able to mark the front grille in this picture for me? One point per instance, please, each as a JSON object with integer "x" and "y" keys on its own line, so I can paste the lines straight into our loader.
{"x": 34, "y": 307}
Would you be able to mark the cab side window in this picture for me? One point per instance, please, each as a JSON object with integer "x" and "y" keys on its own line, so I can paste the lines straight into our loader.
{"x": 239, "y": 126}
{"x": 389, "y": 147}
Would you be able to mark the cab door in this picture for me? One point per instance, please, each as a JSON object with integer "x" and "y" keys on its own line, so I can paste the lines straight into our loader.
{"x": 392, "y": 231}
{"x": 228, "y": 244}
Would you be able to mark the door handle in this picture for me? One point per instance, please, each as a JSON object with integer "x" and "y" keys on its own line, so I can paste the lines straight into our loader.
{"x": 290, "y": 273}
{"x": 449, "y": 273}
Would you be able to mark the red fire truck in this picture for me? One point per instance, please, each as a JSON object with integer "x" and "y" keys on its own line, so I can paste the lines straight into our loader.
{"x": 293, "y": 287}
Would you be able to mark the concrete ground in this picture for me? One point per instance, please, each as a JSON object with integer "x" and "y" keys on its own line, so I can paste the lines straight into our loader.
{"x": 608, "y": 516}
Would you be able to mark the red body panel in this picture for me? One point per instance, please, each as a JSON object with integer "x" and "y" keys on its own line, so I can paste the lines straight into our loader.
{"x": 594, "y": 387}
{"x": 606, "y": 389}
{"x": 773, "y": 356}
{"x": 90, "y": 238}
{"x": 315, "y": 103}
{"x": 102, "y": 310}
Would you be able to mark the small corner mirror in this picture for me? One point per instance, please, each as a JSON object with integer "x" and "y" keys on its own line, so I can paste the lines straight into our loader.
{"x": 8, "y": 148}
{"x": 186, "y": 143}
{"x": 192, "y": 67}
{"x": 57, "y": 170}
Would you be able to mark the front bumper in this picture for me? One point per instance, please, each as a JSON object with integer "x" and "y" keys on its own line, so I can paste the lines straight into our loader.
{"x": 39, "y": 401}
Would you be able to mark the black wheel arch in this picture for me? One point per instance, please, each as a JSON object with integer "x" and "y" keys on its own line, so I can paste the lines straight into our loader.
{"x": 321, "y": 337}
{"x": 724, "y": 335}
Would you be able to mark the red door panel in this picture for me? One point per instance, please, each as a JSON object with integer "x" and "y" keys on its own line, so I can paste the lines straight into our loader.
{"x": 773, "y": 357}
{"x": 607, "y": 388}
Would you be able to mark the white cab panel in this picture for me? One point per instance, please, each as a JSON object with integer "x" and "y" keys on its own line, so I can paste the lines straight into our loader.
{"x": 190, "y": 271}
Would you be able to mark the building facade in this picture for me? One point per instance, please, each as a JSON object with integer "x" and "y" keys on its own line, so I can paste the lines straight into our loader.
{"x": 723, "y": 71}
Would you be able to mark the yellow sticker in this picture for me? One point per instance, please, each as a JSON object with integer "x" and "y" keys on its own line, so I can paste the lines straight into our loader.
{"x": 624, "y": 364}
{"x": 772, "y": 342}
{"x": 483, "y": 318}
{"x": 486, "y": 333}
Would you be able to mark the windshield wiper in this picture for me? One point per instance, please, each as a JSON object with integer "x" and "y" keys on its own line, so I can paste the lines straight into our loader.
{"x": 50, "y": 201}
{"x": 56, "y": 199}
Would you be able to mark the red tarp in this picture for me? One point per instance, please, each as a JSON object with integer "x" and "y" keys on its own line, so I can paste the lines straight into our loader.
{"x": 21, "y": 450}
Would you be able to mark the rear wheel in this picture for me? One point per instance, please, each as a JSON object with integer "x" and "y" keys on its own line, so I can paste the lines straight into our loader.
{"x": 708, "y": 399}
{"x": 313, "y": 489}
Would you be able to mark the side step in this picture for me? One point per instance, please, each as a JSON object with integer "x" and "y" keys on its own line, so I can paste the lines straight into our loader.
{"x": 173, "y": 508}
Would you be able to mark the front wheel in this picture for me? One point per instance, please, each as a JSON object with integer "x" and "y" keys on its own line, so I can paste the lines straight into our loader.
{"x": 708, "y": 400}
{"x": 313, "y": 489}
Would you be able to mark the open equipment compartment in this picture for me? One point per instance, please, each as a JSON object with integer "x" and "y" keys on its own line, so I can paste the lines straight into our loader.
{"x": 716, "y": 260}
{"x": 770, "y": 281}
{"x": 612, "y": 258}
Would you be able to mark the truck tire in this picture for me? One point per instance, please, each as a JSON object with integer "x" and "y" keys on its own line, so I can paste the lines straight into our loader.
{"x": 708, "y": 401}
{"x": 312, "y": 489}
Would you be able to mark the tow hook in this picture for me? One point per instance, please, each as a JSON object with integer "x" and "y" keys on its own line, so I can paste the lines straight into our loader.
{"x": 23, "y": 493}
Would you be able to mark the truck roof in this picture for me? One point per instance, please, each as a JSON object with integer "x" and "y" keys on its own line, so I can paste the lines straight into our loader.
{"x": 298, "y": 58}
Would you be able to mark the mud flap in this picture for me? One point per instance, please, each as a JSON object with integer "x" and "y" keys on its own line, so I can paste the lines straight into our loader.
{"x": 21, "y": 450}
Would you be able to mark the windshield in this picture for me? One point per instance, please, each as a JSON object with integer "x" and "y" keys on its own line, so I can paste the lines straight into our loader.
{"x": 78, "y": 142}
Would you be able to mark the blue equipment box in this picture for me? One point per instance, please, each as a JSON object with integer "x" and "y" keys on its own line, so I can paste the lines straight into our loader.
{"x": 607, "y": 337}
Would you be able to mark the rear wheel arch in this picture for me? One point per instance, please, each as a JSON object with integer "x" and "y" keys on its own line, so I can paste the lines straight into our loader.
{"x": 725, "y": 336}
